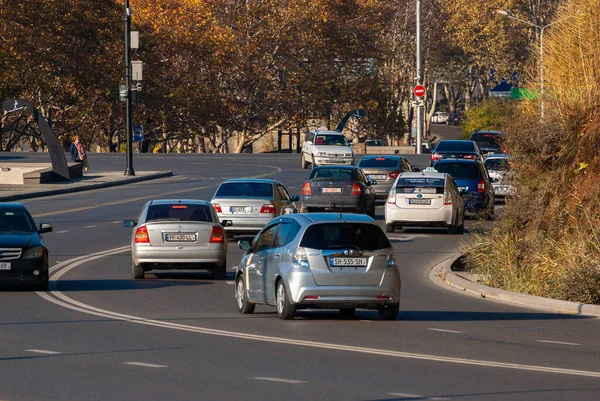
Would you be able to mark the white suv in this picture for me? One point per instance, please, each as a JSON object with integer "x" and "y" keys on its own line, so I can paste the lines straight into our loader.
{"x": 322, "y": 148}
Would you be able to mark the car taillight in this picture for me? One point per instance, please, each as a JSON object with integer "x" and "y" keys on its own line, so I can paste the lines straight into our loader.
{"x": 141, "y": 235}
{"x": 299, "y": 259}
{"x": 436, "y": 156}
{"x": 447, "y": 198}
{"x": 394, "y": 174}
{"x": 306, "y": 189}
{"x": 268, "y": 209}
{"x": 217, "y": 208}
{"x": 470, "y": 157}
{"x": 392, "y": 196}
{"x": 356, "y": 190}
{"x": 480, "y": 186}
{"x": 216, "y": 236}
{"x": 505, "y": 150}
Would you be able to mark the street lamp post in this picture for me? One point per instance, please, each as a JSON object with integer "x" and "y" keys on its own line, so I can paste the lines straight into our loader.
{"x": 542, "y": 28}
{"x": 128, "y": 114}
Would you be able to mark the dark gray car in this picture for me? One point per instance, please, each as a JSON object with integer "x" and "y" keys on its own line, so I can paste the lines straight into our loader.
{"x": 384, "y": 170}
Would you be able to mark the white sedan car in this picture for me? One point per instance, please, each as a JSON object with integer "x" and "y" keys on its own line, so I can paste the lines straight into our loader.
{"x": 498, "y": 168}
{"x": 425, "y": 199}
{"x": 440, "y": 117}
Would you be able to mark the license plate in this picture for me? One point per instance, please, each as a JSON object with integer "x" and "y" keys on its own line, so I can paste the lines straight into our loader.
{"x": 240, "y": 209}
{"x": 331, "y": 190}
{"x": 336, "y": 160}
{"x": 462, "y": 188}
{"x": 349, "y": 262}
{"x": 501, "y": 190}
{"x": 376, "y": 177}
{"x": 4, "y": 266}
{"x": 417, "y": 201}
{"x": 180, "y": 237}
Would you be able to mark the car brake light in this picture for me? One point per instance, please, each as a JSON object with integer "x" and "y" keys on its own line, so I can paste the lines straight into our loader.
{"x": 216, "y": 236}
{"x": 447, "y": 198}
{"x": 392, "y": 196}
{"x": 480, "y": 186}
{"x": 394, "y": 174}
{"x": 470, "y": 157}
{"x": 436, "y": 156}
{"x": 306, "y": 189}
{"x": 217, "y": 208}
{"x": 311, "y": 297}
{"x": 179, "y": 207}
{"x": 268, "y": 209}
{"x": 141, "y": 235}
{"x": 356, "y": 190}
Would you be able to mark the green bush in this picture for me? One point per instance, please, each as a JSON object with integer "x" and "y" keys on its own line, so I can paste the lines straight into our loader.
{"x": 492, "y": 114}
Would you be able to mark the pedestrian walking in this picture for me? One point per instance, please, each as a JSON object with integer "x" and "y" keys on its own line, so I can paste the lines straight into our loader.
{"x": 78, "y": 154}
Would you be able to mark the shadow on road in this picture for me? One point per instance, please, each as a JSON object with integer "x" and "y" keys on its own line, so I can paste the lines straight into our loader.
{"x": 120, "y": 285}
{"x": 463, "y": 316}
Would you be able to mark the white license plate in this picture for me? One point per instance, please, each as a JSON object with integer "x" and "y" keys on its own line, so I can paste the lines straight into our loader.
{"x": 240, "y": 209}
{"x": 376, "y": 177}
{"x": 417, "y": 201}
{"x": 331, "y": 190}
{"x": 462, "y": 188}
{"x": 180, "y": 237}
{"x": 350, "y": 262}
{"x": 4, "y": 266}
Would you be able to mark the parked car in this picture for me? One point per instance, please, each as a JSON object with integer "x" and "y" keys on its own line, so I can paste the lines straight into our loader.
{"x": 384, "y": 170}
{"x": 374, "y": 142}
{"x": 455, "y": 149}
{"x": 440, "y": 117}
{"x": 455, "y": 119}
{"x": 427, "y": 199}
{"x": 23, "y": 254}
{"x": 323, "y": 148}
{"x": 498, "y": 168}
{"x": 488, "y": 142}
{"x": 338, "y": 188}
{"x": 245, "y": 205}
{"x": 177, "y": 234}
{"x": 474, "y": 184}
{"x": 319, "y": 260}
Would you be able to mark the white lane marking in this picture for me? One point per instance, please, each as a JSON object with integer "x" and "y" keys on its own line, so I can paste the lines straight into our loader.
{"x": 145, "y": 365}
{"x": 437, "y": 398}
{"x": 275, "y": 379}
{"x": 366, "y": 321}
{"x": 43, "y": 351}
{"x": 405, "y": 395}
{"x": 72, "y": 304}
{"x": 61, "y": 232}
{"x": 230, "y": 282}
{"x": 116, "y": 222}
{"x": 557, "y": 342}
{"x": 233, "y": 267}
{"x": 89, "y": 226}
{"x": 446, "y": 331}
{"x": 198, "y": 164}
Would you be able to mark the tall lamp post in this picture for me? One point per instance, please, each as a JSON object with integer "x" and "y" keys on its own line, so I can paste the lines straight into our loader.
{"x": 542, "y": 28}
{"x": 128, "y": 80}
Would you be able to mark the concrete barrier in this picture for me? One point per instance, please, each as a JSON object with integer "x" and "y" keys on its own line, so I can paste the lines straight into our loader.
{"x": 34, "y": 173}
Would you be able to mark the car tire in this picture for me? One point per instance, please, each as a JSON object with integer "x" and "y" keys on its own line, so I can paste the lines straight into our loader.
{"x": 389, "y": 312}
{"x": 347, "y": 312}
{"x": 138, "y": 271}
{"x": 241, "y": 297}
{"x": 285, "y": 310}
{"x": 220, "y": 272}
{"x": 304, "y": 162}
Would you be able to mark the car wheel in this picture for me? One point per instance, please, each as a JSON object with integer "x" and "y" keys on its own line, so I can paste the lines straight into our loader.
{"x": 389, "y": 312}
{"x": 347, "y": 312}
{"x": 241, "y": 297}
{"x": 138, "y": 271}
{"x": 389, "y": 228}
{"x": 304, "y": 162}
{"x": 220, "y": 272}
{"x": 285, "y": 309}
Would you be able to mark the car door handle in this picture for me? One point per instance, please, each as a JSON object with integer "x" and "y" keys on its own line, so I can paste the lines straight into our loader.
{"x": 277, "y": 255}
{"x": 261, "y": 259}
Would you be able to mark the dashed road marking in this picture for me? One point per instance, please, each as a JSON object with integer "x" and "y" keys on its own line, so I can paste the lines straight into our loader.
{"x": 446, "y": 331}
{"x": 230, "y": 282}
{"x": 116, "y": 222}
{"x": 276, "y": 379}
{"x": 43, "y": 351}
{"x": 557, "y": 342}
{"x": 145, "y": 365}
{"x": 92, "y": 226}
{"x": 61, "y": 232}
{"x": 405, "y": 395}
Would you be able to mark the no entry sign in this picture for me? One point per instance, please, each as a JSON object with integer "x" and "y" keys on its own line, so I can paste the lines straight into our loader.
{"x": 419, "y": 91}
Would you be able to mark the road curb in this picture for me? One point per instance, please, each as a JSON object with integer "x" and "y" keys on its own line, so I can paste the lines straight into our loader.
{"x": 443, "y": 275}
{"x": 61, "y": 191}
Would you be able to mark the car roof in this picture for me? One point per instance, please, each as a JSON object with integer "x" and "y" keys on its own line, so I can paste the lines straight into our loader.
{"x": 335, "y": 167}
{"x": 261, "y": 180}
{"x": 487, "y": 132}
{"x": 454, "y": 140}
{"x": 12, "y": 205}
{"x": 393, "y": 157}
{"x": 498, "y": 156}
{"x": 182, "y": 201}
{"x": 328, "y": 132}
{"x": 464, "y": 161}
{"x": 330, "y": 218}
{"x": 422, "y": 175}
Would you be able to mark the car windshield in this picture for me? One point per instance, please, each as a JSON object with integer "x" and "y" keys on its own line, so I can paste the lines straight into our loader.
{"x": 449, "y": 146}
{"x": 245, "y": 189}
{"x": 486, "y": 138}
{"x": 331, "y": 174}
{"x": 360, "y": 236}
{"x": 496, "y": 164}
{"x": 425, "y": 185}
{"x": 16, "y": 220}
{"x": 379, "y": 162}
{"x": 459, "y": 171}
{"x": 179, "y": 212}
{"x": 336, "y": 140}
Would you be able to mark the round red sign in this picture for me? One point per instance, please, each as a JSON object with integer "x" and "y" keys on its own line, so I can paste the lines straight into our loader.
{"x": 419, "y": 91}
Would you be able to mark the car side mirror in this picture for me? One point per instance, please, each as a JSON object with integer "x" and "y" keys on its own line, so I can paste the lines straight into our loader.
{"x": 295, "y": 198}
{"x": 129, "y": 223}
{"x": 416, "y": 170}
{"x": 244, "y": 244}
{"x": 45, "y": 228}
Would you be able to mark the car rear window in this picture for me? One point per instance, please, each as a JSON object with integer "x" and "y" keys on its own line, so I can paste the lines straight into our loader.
{"x": 331, "y": 174}
{"x": 179, "y": 212}
{"x": 482, "y": 137}
{"x": 459, "y": 171}
{"x": 364, "y": 236}
{"x": 454, "y": 146}
{"x": 424, "y": 185}
{"x": 496, "y": 164}
{"x": 379, "y": 162}
{"x": 12, "y": 219}
{"x": 245, "y": 189}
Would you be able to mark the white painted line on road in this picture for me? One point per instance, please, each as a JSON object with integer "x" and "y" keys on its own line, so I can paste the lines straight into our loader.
{"x": 61, "y": 232}
{"x": 145, "y": 365}
{"x": 90, "y": 227}
{"x": 199, "y": 164}
{"x": 447, "y": 331}
{"x": 116, "y": 222}
{"x": 233, "y": 267}
{"x": 557, "y": 342}
{"x": 366, "y": 321}
{"x": 275, "y": 379}
{"x": 405, "y": 395}
{"x": 61, "y": 299}
{"x": 230, "y": 282}
{"x": 43, "y": 351}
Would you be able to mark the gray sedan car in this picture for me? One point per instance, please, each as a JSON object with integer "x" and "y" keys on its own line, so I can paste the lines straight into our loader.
{"x": 245, "y": 205}
{"x": 178, "y": 234}
{"x": 384, "y": 170}
{"x": 319, "y": 260}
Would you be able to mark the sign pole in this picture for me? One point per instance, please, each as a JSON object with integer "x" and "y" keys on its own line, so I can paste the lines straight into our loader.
{"x": 419, "y": 62}
{"x": 128, "y": 114}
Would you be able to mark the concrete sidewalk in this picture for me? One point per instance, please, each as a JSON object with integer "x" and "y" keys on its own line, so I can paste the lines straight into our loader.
{"x": 88, "y": 182}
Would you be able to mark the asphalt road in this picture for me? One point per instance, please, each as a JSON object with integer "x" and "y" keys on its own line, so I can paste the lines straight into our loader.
{"x": 99, "y": 335}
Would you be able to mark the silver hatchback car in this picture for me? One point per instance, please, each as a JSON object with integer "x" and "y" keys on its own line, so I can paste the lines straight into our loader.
{"x": 178, "y": 234}
{"x": 319, "y": 260}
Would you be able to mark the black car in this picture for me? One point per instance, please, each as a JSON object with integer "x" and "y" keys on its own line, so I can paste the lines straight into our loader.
{"x": 489, "y": 142}
{"x": 338, "y": 188}
{"x": 23, "y": 255}
{"x": 455, "y": 149}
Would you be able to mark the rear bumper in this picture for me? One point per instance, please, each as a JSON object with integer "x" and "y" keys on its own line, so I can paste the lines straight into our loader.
{"x": 245, "y": 224}
{"x": 441, "y": 217}
{"x": 332, "y": 203}
{"x": 211, "y": 254}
